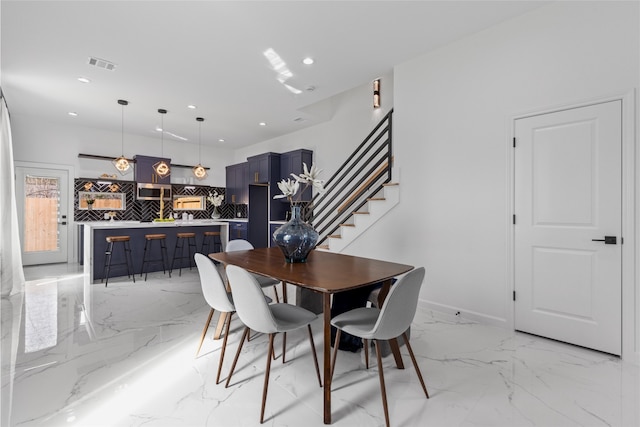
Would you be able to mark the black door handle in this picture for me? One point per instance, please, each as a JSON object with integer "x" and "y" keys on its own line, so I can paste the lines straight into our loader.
{"x": 608, "y": 240}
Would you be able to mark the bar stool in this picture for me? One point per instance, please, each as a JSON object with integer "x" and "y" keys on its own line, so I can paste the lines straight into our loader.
{"x": 211, "y": 238}
{"x": 191, "y": 242}
{"x": 149, "y": 238}
{"x": 108, "y": 255}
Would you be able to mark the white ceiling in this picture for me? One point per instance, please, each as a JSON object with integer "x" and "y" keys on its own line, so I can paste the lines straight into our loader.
{"x": 210, "y": 53}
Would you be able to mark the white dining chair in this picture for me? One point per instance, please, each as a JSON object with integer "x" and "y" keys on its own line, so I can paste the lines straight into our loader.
{"x": 389, "y": 322}
{"x": 270, "y": 319}
{"x": 264, "y": 281}
{"x": 216, "y": 295}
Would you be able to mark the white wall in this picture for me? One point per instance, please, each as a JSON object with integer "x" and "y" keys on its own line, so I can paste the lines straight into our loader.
{"x": 55, "y": 143}
{"x": 352, "y": 120}
{"x": 453, "y": 114}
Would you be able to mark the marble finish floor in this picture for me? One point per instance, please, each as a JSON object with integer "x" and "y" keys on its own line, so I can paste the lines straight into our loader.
{"x": 75, "y": 354}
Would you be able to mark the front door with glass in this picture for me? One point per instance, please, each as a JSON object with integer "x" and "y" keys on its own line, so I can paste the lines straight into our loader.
{"x": 42, "y": 200}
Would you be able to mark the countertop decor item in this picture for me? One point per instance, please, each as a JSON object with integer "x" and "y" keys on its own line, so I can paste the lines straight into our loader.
{"x": 296, "y": 238}
{"x": 216, "y": 200}
{"x": 90, "y": 200}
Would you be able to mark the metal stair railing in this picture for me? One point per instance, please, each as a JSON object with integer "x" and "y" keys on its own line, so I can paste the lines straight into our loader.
{"x": 359, "y": 178}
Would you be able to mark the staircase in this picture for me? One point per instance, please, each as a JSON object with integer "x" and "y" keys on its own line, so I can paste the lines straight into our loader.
{"x": 358, "y": 194}
{"x": 376, "y": 207}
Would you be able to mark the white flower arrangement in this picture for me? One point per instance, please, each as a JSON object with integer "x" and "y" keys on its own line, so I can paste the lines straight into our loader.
{"x": 215, "y": 199}
{"x": 308, "y": 177}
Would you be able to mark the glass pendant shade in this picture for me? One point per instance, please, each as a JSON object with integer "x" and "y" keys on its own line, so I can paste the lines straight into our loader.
{"x": 199, "y": 171}
{"x": 122, "y": 163}
{"x": 162, "y": 169}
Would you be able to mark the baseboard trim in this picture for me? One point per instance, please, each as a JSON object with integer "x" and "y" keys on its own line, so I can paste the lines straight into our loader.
{"x": 460, "y": 313}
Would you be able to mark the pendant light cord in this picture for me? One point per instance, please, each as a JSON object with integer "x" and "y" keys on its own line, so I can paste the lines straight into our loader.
{"x": 122, "y": 130}
{"x": 199, "y": 142}
{"x": 162, "y": 135}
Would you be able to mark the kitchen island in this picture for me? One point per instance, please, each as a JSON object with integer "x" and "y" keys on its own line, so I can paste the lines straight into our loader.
{"x": 95, "y": 233}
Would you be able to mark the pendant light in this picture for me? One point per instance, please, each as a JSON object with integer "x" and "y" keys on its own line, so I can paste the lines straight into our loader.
{"x": 122, "y": 163}
{"x": 162, "y": 169}
{"x": 199, "y": 171}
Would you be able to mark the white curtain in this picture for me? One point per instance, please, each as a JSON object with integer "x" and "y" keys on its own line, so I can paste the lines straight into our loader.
{"x": 11, "y": 274}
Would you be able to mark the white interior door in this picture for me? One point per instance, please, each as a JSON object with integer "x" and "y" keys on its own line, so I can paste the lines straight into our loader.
{"x": 568, "y": 189}
{"x": 42, "y": 200}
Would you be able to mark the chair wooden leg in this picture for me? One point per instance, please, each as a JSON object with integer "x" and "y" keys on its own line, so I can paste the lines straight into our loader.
{"x": 315, "y": 356}
{"x": 383, "y": 389}
{"x": 275, "y": 291}
{"x": 204, "y": 331}
{"x": 224, "y": 346}
{"x": 335, "y": 351}
{"x": 284, "y": 345}
{"x": 366, "y": 353}
{"x": 415, "y": 363}
{"x": 220, "y": 325}
{"x": 235, "y": 359}
{"x": 266, "y": 378}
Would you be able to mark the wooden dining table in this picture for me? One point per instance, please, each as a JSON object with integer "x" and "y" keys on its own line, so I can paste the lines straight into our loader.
{"x": 326, "y": 273}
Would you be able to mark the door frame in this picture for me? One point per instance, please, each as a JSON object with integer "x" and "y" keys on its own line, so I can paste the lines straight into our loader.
{"x": 630, "y": 304}
{"x": 71, "y": 229}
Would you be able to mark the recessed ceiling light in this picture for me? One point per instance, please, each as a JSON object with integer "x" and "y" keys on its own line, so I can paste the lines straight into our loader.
{"x": 221, "y": 140}
{"x": 72, "y": 113}
{"x": 84, "y": 80}
{"x": 262, "y": 124}
{"x": 191, "y": 107}
{"x": 307, "y": 61}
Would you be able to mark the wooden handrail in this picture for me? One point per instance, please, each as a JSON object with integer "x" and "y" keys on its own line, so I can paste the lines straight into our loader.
{"x": 364, "y": 186}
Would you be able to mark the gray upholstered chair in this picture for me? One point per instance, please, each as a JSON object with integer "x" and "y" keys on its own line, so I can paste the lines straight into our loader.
{"x": 264, "y": 281}
{"x": 216, "y": 295}
{"x": 389, "y": 322}
{"x": 270, "y": 319}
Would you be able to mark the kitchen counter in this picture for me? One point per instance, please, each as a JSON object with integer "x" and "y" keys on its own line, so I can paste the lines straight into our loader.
{"x": 139, "y": 224}
{"x": 95, "y": 232}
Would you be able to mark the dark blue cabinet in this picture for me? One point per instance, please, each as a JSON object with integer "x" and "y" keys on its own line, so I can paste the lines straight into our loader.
{"x": 292, "y": 162}
{"x": 144, "y": 172}
{"x": 238, "y": 230}
{"x": 264, "y": 168}
{"x": 236, "y": 184}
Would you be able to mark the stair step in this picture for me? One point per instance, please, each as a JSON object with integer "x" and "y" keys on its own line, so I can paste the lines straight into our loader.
{"x": 347, "y": 225}
{"x": 388, "y": 184}
{"x": 323, "y": 247}
{"x": 336, "y": 236}
{"x": 376, "y": 198}
{"x": 361, "y": 213}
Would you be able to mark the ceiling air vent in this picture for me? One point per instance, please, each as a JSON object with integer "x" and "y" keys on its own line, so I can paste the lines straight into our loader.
{"x": 102, "y": 63}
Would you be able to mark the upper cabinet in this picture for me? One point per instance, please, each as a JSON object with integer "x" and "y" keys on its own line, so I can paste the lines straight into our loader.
{"x": 237, "y": 191}
{"x": 292, "y": 162}
{"x": 144, "y": 170}
{"x": 264, "y": 168}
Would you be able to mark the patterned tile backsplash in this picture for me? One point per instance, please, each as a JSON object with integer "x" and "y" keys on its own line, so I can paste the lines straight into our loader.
{"x": 147, "y": 210}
